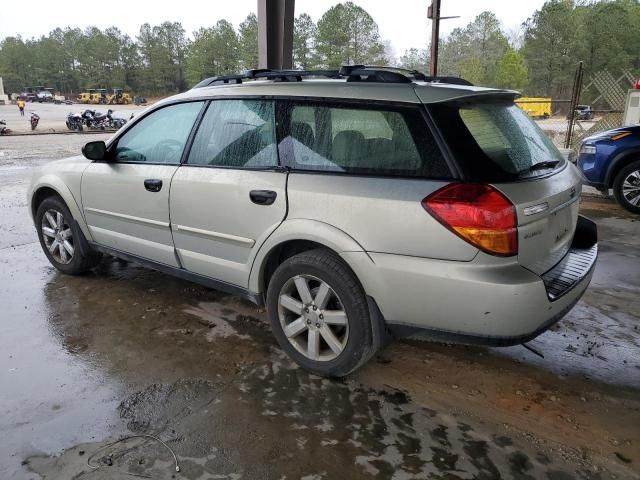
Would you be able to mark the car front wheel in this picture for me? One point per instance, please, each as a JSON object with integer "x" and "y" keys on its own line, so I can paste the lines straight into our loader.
{"x": 60, "y": 238}
{"x": 319, "y": 315}
{"x": 626, "y": 187}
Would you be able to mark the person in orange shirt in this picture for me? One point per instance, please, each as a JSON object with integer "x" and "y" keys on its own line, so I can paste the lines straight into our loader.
{"x": 21, "y": 103}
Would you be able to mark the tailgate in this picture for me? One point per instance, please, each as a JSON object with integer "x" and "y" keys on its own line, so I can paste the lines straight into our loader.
{"x": 547, "y": 210}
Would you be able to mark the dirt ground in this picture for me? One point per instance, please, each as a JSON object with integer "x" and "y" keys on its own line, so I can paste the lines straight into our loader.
{"x": 125, "y": 351}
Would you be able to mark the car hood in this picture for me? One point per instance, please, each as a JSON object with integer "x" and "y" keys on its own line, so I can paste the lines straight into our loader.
{"x": 610, "y": 133}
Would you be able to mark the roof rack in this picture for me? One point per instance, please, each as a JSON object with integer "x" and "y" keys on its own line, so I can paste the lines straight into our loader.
{"x": 352, "y": 73}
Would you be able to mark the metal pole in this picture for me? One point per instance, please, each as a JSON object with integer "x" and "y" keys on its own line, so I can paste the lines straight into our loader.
{"x": 434, "y": 15}
{"x": 275, "y": 33}
{"x": 575, "y": 98}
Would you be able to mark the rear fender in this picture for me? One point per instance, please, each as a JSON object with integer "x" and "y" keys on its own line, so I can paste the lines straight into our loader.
{"x": 309, "y": 230}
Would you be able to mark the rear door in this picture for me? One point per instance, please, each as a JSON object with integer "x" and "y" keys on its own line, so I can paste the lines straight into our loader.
{"x": 494, "y": 141}
{"x": 364, "y": 168}
{"x": 126, "y": 200}
{"x": 230, "y": 194}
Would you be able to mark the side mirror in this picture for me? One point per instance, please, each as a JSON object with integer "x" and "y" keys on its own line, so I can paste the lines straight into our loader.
{"x": 95, "y": 150}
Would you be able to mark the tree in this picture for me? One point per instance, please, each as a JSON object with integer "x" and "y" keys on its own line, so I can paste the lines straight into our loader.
{"x": 610, "y": 36}
{"x": 163, "y": 50}
{"x": 248, "y": 38}
{"x": 214, "y": 51}
{"x": 415, "y": 59}
{"x": 16, "y": 63}
{"x": 512, "y": 71}
{"x": 474, "y": 51}
{"x": 346, "y": 35}
{"x": 304, "y": 34}
{"x": 549, "y": 48}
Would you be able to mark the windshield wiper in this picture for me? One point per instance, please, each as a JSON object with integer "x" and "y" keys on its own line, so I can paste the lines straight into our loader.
{"x": 544, "y": 165}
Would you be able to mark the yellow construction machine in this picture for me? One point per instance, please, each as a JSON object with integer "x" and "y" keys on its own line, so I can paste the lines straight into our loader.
{"x": 119, "y": 97}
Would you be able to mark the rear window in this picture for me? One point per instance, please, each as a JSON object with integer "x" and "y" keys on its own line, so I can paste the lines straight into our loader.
{"x": 496, "y": 140}
{"x": 361, "y": 139}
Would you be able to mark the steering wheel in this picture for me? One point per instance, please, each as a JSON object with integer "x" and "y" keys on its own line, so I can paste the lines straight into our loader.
{"x": 165, "y": 150}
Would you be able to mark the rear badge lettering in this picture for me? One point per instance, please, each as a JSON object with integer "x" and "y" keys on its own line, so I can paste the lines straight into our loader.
{"x": 541, "y": 207}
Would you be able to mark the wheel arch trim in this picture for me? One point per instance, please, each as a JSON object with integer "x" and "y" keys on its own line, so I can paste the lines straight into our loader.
{"x": 54, "y": 183}
{"x": 302, "y": 230}
{"x": 618, "y": 163}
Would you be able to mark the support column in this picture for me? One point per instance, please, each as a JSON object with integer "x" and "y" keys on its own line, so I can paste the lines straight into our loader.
{"x": 275, "y": 34}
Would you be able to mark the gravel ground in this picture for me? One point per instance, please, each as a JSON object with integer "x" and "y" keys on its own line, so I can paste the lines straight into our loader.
{"x": 53, "y": 117}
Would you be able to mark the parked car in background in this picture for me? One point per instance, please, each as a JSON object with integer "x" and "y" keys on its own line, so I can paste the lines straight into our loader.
{"x": 611, "y": 160}
{"x": 583, "y": 112}
{"x": 45, "y": 96}
{"x": 372, "y": 200}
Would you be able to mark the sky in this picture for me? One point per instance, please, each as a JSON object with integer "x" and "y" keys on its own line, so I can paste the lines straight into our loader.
{"x": 403, "y": 23}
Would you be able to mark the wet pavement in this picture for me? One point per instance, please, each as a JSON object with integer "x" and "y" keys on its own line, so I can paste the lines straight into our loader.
{"x": 125, "y": 351}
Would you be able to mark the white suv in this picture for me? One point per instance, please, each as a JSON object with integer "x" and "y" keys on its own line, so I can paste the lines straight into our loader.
{"x": 375, "y": 200}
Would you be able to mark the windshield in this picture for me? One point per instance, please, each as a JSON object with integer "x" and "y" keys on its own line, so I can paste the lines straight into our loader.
{"x": 496, "y": 140}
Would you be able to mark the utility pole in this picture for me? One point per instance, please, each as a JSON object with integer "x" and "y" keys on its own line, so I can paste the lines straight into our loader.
{"x": 433, "y": 12}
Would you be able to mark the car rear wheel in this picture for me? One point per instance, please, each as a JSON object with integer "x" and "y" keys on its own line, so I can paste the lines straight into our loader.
{"x": 626, "y": 187}
{"x": 61, "y": 239}
{"x": 319, "y": 315}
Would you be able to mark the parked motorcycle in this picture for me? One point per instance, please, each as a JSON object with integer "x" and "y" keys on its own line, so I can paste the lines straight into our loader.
{"x": 98, "y": 121}
{"x": 87, "y": 117}
{"x": 75, "y": 122}
{"x": 117, "y": 122}
{"x": 35, "y": 118}
{"x": 3, "y": 128}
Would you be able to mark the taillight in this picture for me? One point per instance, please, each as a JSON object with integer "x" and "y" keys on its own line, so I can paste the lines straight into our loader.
{"x": 477, "y": 213}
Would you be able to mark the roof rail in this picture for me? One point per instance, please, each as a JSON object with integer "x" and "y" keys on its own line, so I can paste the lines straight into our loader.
{"x": 359, "y": 70}
{"x": 352, "y": 73}
{"x": 277, "y": 75}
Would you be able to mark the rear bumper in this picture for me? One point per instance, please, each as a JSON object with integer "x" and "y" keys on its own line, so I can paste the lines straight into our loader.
{"x": 476, "y": 302}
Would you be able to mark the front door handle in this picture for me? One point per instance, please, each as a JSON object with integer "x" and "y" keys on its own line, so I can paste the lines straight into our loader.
{"x": 263, "y": 197}
{"x": 153, "y": 184}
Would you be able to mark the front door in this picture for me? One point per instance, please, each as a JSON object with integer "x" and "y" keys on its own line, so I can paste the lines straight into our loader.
{"x": 126, "y": 199}
{"x": 230, "y": 194}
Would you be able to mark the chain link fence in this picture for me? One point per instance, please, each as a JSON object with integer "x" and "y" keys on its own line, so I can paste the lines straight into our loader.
{"x": 599, "y": 106}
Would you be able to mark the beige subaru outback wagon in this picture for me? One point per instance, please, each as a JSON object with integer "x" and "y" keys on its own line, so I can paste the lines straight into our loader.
{"x": 353, "y": 204}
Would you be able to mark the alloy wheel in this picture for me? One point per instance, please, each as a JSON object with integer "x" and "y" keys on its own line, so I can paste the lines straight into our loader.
{"x": 57, "y": 236}
{"x": 631, "y": 188}
{"x": 313, "y": 318}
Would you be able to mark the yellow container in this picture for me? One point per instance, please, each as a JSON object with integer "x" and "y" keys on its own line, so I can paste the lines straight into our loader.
{"x": 535, "y": 107}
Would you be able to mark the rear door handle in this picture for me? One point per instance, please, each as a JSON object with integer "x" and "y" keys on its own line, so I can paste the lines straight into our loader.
{"x": 153, "y": 184}
{"x": 263, "y": 197}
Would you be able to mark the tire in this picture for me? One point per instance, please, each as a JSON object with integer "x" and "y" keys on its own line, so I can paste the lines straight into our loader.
{"x": 624, "y": 187}
{"x": 346, "y": 305}
{"x": 75, "y": 261}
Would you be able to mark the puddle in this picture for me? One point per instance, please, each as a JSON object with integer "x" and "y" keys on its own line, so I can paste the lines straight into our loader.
{"x": 277, "y": 421}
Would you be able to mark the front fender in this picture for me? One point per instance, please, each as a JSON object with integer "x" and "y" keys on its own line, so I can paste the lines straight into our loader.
{"x": 303, "y": 229}
{"x": 55, "y": 183}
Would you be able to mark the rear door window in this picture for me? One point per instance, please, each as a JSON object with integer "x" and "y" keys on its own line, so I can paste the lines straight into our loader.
{"x": 360, "y": 139}
{"x": 236, "y": 134}
{"x": 495, "y": 140}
